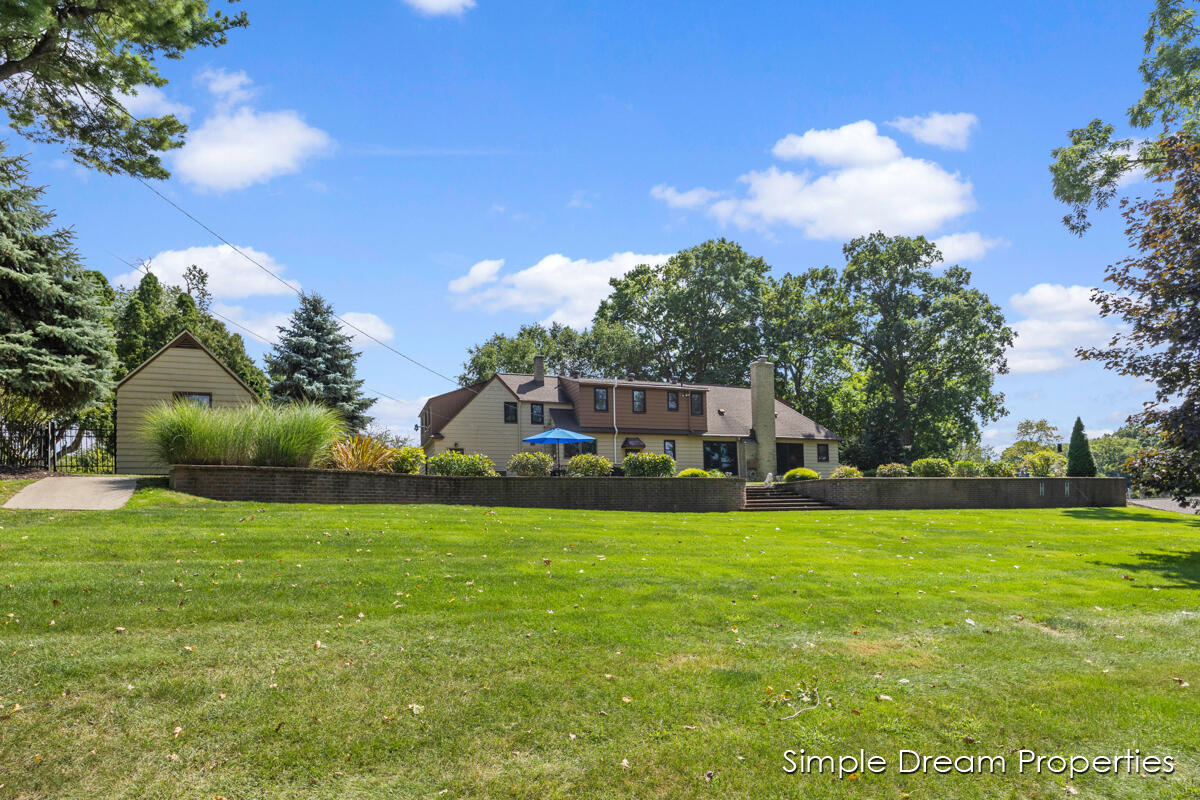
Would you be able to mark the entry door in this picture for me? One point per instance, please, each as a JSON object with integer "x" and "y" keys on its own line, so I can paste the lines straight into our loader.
{"x": 788, "y": 456}
{"x": 722, "y": 456}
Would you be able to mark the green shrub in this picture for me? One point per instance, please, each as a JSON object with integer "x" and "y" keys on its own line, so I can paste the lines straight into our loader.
{"x": 1044, "y": 464}
{"x": 362, "y": 454}
{"x": 648, "y": 465}
{"x": 408, "y": 460}
{"x": 799, "y": 474}
{"x": 892, "y": 470}
{"x": 999, "y": 469}
{"x": 967, "y": 469}
{"x": 931, "y": 468}
{"x": 589, "y": 465}
{"x": 473, "y": 465}
{"x": 531, "y": 464}
{"x": 868, "y": 473}
{"x": 716, "y": 473}
{"x": 846, "y": 471}
{"x": 293, "y": 435}
{"x": 696, "y": 472}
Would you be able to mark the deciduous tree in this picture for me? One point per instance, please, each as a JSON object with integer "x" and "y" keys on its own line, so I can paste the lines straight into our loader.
{"x": 68, "y": 64}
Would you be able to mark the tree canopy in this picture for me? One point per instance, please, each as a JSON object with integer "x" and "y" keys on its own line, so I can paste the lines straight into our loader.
{"x": 150, "y": 315}
{"x": 56, "y": 345}
{"x": 1087, "y": 173}
{"x": 1156, "y": 293}
{"x": 68, "y": 64}
{"x": 603, "y": 351}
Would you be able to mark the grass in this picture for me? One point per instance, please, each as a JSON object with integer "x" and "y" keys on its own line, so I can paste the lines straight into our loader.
{"x": 183, "y": 660}
{"x": 290, "y": 435}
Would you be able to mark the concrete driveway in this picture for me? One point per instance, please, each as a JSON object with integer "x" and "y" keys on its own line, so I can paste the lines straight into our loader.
{"x": 1165, "y": 504}
{"x": 78, "y": 492}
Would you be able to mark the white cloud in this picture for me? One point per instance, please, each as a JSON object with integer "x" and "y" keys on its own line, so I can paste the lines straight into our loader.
{"x": 569, "y": 290}
{"x": 435, "y": 7}
{"x": 692, "y": 198}
{"x": 229, "y": 275}
{"x": 871, "y": 185}
{"x": 854, "y": 144}
{"x": 150, "y": 101}
{"x": 951, "y": 131}
{"x": 906, "y": 196}
{"x": 1058, "y": 319}
{"x": 368, "y": 323}
{"x": 958, "y": 247}
{"x": 232, "y": 88}
{"x": 398, "y": 416}
{"x": 239, "y": 148}
{"x": 479, "y": 274}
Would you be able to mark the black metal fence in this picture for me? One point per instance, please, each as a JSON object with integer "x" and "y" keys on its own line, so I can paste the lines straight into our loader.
{"x": 87, "y": 448}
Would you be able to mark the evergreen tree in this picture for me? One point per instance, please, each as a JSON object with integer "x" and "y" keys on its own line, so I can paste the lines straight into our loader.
{"x": 314, "y": 361}
{"x": 151, "y": 315}
{"x": 56, "y": 346}
{"x": 1080, "y": 463}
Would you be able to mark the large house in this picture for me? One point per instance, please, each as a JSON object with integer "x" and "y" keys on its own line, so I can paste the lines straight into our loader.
{"x": 741, "y": 431}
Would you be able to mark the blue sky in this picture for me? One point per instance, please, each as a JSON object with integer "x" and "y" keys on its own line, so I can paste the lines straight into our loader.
{"x": 392, "y": 160}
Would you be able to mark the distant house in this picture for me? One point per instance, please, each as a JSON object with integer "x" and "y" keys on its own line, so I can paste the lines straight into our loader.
{"x": 184, "y": 369}
{"x": 738, "y": 430}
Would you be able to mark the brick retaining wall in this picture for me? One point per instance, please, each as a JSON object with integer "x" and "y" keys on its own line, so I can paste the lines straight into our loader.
{"x": 899, "y": 493}
{"x": 290, "y": 485}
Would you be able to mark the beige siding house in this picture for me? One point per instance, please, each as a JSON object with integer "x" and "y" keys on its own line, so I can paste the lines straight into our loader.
{"x": 739, "y": 430}
{"x": 182, "y": 370}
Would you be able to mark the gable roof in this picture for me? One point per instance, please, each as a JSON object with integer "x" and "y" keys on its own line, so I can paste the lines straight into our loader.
{"x": 187, "y": 340}
{"x": 727, "y": 408}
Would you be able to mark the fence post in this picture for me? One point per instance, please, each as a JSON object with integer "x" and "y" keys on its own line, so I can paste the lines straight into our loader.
{"x": 50, "y": 465}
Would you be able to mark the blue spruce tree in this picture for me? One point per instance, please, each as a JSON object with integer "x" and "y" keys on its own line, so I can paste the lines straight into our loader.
{"x": 314, "y": 361}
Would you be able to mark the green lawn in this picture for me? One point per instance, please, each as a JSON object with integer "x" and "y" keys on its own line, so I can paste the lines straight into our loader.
{"x": 170, "y": 650}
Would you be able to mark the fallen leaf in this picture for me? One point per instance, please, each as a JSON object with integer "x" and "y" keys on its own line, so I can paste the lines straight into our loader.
{"x": 883, "y": 698}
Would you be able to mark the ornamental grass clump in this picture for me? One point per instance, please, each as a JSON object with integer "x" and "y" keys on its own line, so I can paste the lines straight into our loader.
{"x": 531, "y": 464}
{"x": 363, "y": 454}
{"x": 294, "y": 435}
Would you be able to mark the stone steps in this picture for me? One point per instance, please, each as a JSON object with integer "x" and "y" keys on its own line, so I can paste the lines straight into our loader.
{"x": 761, "y": 498}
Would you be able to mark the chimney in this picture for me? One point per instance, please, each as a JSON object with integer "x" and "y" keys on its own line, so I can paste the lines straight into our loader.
{"x": 762, "y": 412}
{"x": 539, "y": 368}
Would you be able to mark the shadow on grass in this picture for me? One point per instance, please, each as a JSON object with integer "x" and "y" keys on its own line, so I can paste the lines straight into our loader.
{"x": 1181, "y": 567}
{"x": 1134, "y": 514}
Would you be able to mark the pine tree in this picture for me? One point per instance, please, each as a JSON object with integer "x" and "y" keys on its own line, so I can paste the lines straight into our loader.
{"x": 314, "y": 361}
{"x": 56, "y": 343}
{"x": 1080, "y": 463}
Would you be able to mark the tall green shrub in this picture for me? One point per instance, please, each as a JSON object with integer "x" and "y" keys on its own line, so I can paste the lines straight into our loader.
{"x": 474, "y": 465}
{"x": 648, "y": 465}
{"x": 931, "y": 468}
{"x": 408, "y": 460}
{"x": 530, "y": 464}
{"x": 1080, "y": 463}
{"x": 589, "y": 465}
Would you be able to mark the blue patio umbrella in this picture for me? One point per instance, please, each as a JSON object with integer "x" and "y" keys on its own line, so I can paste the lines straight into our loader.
{"x": 557, "y": 436}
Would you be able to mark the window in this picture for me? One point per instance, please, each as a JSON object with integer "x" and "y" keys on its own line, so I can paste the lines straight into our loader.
{"x": 600, "y": 399}
{"x": 822, "y": 452}
{"x": 669, "y": 447}
{"x": 697, "y": 404}
{"x": 537, "y": 414}
{"x": 199, "y": 398}
{"x": 510, "y": 412}
{"x": 672, "y": 401}
{"x": 639, "y": 401}
{"x": 722, "y": 456}
{"x": 570, "y": 450}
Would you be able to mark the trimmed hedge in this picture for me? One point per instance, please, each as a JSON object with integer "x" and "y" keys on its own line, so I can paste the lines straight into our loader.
{"x": 695, "y": 472}
{"x": 648, "y": 465}
{"x": 589, "y": 465}
{"x": 531, "y": 464}
{"x": 846, "y": 471}
{"x": 474, "y": 465}
{"x": 799, "y": 474}
{"x": 931, "y": 468}
{"x": 892, "y": 470}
